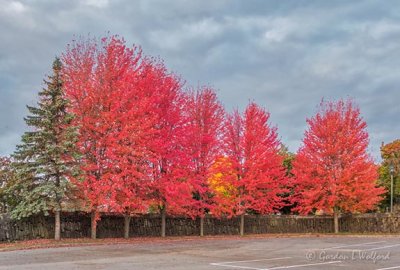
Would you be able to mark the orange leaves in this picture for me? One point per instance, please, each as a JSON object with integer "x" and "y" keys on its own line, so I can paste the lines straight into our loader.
{"x": 391, "y": 150}
{"x": 223, "y": 178}
{"x": 391, "y": 155}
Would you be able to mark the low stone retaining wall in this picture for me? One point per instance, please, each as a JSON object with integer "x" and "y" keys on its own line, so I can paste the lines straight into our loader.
{"x": 77, "y": 225}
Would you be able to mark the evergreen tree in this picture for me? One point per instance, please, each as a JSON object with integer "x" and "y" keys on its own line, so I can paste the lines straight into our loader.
{"x": 41, "y": 160}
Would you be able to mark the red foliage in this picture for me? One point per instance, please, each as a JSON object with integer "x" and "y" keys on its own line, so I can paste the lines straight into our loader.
{"x": 205, "y": 117}
{"x": 253, "y": 172}
{"x": 167, "y": 161}
{"x": 332, "y": 169}
{"x": 104, "y": 88}
{"x": 129, "y": 110}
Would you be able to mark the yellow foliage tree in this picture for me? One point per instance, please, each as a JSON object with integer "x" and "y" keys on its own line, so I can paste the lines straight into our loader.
{"x": 222, "y": 183}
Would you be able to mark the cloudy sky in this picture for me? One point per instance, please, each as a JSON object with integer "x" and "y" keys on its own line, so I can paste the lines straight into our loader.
{"x": 285, "y": 55}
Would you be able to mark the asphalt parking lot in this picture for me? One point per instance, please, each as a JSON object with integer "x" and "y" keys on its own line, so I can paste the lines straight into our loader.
{"x": 325, "y": 252}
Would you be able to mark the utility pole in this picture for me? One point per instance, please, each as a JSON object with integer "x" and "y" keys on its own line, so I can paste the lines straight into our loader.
{"x": 391, "y": 168}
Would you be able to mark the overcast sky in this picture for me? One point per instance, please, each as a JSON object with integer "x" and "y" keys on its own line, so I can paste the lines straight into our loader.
{"x": 285, "y": 55}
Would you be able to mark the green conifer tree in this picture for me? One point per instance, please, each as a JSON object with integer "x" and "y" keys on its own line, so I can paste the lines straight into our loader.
{"x": 41, "y": 162}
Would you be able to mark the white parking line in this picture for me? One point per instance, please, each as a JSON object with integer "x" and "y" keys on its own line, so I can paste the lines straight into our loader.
{"x": 383, "y": 247}
{"x": 236, "y": 266}
{"x": 355, "y": 245}
{"x": 260, "y": 260}
{"x": 229, "y": 264}
{"x": 301, "y": 265}
{"x": 393, "y": 267}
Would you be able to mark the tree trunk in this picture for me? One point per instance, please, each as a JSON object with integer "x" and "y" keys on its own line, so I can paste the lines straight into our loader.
{"x": 127, "y": 221}
{"x": 163, "y": 216}
{"x": 93, "y": 225}
{"x": 336, "y": 221}
{"x": 57, "y": 227}
{"x": 201, "y": 226}
{"x": 242, "y": 224}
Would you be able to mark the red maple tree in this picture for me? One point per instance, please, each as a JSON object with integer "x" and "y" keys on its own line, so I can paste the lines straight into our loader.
{"x": 102, "y": 84}
{"x": 205, "y": 117}
{"x": 168, "y": 162}
{"x": 253, "y": 169}
{"x": 333, "y": 171}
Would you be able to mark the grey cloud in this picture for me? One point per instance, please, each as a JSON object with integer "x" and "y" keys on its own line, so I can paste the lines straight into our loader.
{"x": 285, "y": 55}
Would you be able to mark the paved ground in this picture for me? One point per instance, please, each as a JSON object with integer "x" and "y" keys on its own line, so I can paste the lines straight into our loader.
{"x": 218, "y": 254}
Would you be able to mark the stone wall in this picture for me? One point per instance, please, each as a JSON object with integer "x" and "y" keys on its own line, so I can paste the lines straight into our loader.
{"x": 371, "y": 223}
{"x": 77, "y": 225}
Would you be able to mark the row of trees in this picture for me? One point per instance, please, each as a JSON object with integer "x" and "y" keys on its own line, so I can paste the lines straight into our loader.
{"x": 115, "y": 131}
